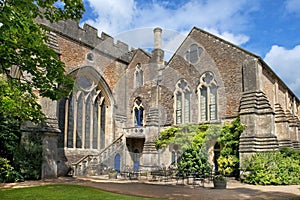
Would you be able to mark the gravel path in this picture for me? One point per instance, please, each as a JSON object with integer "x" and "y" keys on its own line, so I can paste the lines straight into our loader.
{"x": 171, "y": 190}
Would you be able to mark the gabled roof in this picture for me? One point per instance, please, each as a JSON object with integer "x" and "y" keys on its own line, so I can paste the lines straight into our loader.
{"x": 264, "y": 64}
{"x": 141, "y": 50}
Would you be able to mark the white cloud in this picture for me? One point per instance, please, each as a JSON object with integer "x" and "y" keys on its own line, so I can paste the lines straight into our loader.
{"x": 118, "y": 16}
{"x": 113, "y": 15}
{"x": 143, "y": 38}
{"x": 292, "y": 6}
{"x": 286, "y": 63}
{"x": 237, "y": 39}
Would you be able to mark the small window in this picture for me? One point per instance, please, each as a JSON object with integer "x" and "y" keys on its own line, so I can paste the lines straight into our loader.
{"x": 138, "y": 76}
{"x": 138, "y": 112}
{"x": 193, "y": 54}
{"x": 90, "y": 56}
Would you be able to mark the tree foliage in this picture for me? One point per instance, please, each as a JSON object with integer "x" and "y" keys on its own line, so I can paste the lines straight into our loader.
{"x": 184, "y": 135}
{"x": 194, "y": 161}
{"x": 273, "y": 168}
{"x": 194, "y": 140}
{"x": 24, "y": 54}
{"x": 28, "y": 67}
{"x": 16, "y": 106}
{"x": 228, "y": 162}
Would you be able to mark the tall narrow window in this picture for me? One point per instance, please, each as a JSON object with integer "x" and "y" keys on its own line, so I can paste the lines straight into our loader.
{"x": 178, "y": 107}
{"x": 102, "y": 125}
{"x": 87, "y": 123}
{"x": 138, "y": 111}
{"x": 80, "y": 102}
{"x": 95, "y": 122}
{"x": 70, "y": 125}
{"x": 182, "y": 102}
{"x": 208, "y": 98}
{"x": 139, "y": 76}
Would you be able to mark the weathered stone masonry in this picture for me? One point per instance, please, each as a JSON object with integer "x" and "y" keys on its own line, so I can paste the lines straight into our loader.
{"x": 136, "y": 95}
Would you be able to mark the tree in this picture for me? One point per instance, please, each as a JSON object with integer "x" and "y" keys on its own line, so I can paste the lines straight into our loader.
{"x": 24, "y": 54}
{"x": 28, "y": 67}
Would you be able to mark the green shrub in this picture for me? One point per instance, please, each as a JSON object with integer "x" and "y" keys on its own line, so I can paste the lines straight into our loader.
{"x": 272, "y": 168}
{"x": 228, "y": 162}
{"x": 193, "y": 160}
{"x": 28, "y": 157}
{"x": 7, "y": 172}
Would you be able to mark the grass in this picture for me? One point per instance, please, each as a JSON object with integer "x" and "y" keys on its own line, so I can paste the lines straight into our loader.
{"x": 61, "y": 192}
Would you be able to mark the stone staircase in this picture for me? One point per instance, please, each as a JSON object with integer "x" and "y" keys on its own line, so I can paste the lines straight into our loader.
{"x": 94, "y": 165}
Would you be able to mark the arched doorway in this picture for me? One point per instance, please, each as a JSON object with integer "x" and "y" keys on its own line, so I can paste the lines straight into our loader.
{"x": 136, "y": 160}
{"x": 117, "y": 163}
{"x": 216, "y": 156}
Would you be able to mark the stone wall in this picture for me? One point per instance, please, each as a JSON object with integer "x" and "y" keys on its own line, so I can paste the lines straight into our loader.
{"x": 246, "y": 86}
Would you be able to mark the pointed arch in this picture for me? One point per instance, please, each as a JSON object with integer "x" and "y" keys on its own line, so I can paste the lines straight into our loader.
{"x": 138, "y": 112}
{"x": 182, "y": 96}
{"x": 208, "y": 98}
{"x": 89, "y": 111}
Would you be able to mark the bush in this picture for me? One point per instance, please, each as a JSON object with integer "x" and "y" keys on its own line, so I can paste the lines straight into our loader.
{"x": 272, "y": 168}
{"x": 192, "y": 161}
{"x": 28, "y": 157}
{"x": 228, "y": 162}
{"x": 7, "y": 172}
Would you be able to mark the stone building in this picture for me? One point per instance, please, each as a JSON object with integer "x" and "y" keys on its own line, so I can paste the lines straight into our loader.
{"x": 122, "y": 98}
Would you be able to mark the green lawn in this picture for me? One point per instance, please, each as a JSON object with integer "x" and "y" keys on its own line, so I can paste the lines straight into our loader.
{"x": 63, "y": 192}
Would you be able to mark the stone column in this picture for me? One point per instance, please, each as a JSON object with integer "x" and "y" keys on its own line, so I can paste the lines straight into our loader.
{"x": 256, "y": 113}
{"x": 282, "y": 127}
{"x": 49, "y": 165}
{"x": 293, "y": 129}
{"x": 150, "y": 157}
{"x": 50, "y": 132}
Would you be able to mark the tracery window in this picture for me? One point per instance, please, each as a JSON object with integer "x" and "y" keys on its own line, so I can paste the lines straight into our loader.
{"x": 138, "y": 76}
{"x": 182, "y": 102}
{"x": 208, "y": 97}
{"x": 193, "y": 54}
{"x": 138, "y": 111}
{"x": 85, "y": 116}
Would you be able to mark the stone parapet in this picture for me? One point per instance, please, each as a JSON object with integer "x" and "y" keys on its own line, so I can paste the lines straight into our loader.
{"x": 87, "y": 36}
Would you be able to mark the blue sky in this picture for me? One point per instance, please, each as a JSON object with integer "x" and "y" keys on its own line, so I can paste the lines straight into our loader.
{"x": 267, "y": 28}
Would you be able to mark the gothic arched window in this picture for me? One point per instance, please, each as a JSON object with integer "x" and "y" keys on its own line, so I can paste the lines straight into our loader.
{"x": 208, "y": 98}
{"x": 138, "y": 111}
{"x": 138, "y": 76}
{"x": 182, "y": 102}
{"x": 85, "y": 116}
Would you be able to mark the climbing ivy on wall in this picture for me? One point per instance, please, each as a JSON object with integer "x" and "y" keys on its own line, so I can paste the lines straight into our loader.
{"x": 228, "y": 162}
{"x": 195, "y": 139}
{"x": 182, "y": 135}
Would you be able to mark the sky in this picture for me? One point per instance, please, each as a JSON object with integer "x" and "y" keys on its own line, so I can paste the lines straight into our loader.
{"x": 267, "y": 28}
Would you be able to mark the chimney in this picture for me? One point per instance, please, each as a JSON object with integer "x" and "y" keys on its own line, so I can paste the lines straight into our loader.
{"x": 157, "y": 38}
{"x": 157, "y": 52}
